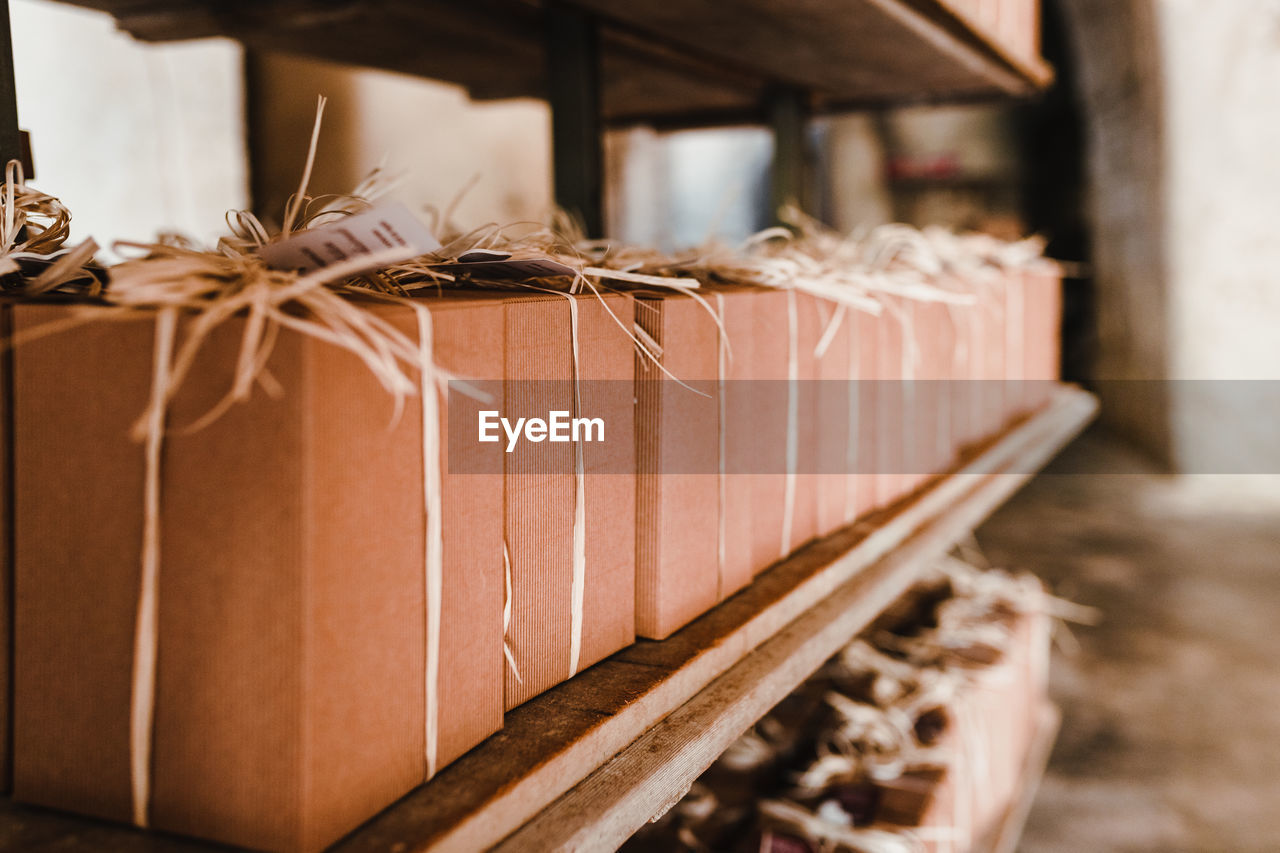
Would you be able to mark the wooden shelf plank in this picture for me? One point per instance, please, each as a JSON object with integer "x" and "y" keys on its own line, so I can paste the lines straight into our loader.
{"x": 673, "y": 63}
{"x": 621, "y": 741}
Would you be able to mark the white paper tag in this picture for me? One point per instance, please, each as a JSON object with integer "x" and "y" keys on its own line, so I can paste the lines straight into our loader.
{"x": 387, "y": 233}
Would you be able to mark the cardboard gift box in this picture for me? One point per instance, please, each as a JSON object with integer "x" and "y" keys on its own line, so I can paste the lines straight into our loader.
{"x": 993, "y": 410}
{"x": 309, "y": 662}
{"x": 1018, "y": 311}
{"x": 889, "y": 402}
{"x": 864, "y": 459}
{"x": 935, "y": 444}
{"x": 739, "y": 427}
{"x": 835, "y": 392}
{"x": 569, "y": 608}
{"x": 782, "y": 455}
{"x": 962, "y": 325}
{"x": 1043, "y": 334}
{"x": 683, "y": 560}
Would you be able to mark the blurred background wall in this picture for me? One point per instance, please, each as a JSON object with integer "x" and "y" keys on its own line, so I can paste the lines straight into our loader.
{"x": 134, "y": 138}
{"x": 494, "y": 158}
{"x": 1183, "y": 113}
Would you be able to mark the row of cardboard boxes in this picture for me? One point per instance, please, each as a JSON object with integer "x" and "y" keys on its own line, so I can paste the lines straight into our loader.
{"x": 321, "y": 642}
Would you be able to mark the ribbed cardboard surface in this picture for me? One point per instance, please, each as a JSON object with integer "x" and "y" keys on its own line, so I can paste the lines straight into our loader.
{"x": 541, "y": 488}
{"x": 889, "y": 402}
{"x": 741, "y": 422}
{"x": 992, "y": 301}
{"x": 773, "y": 347}
{"x": 837, "y": 370}
{"x": 678, "y": 572}
{"x": 290, "y": 687}
{"x": 1043, "y": 323}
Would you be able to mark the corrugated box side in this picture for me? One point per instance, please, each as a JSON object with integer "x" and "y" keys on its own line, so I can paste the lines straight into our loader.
{"x": 541, "y": 489}
{"x": 678, "y": 572}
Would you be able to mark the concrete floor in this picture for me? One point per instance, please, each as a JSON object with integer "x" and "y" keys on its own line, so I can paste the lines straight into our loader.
{"x": 1171, "y": 732}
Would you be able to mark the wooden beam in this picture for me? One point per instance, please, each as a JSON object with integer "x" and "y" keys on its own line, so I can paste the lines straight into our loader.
{"x": 10, "y": 135}
{"x": 788, "y": 113}
{"x": 696, "y": 60}
{"x": 573, "y": 89}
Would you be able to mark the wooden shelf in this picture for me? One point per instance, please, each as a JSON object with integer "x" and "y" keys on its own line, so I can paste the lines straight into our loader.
{"x": 671, "y": 63}
{"x": 589, "y": 762}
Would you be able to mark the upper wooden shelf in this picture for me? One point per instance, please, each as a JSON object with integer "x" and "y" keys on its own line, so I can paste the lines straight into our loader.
{"x": 666, "y": 62}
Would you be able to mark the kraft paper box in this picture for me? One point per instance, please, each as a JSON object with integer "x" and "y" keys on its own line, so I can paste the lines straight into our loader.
{"x": 993, "y": 301}
{"x": 993, "y": 722}
{"x": 290, "y": 699}
{"x": 890, "y": 405}
{"x": 681, "y": 538}
{"x": 864, "y": 463}
{"x": 1018, "y": 311}
{"x": 1043, "y": 331}
{"x": 785, "y": 330}
{"x": 837, "y": 426}
{"x": 566, "y": 614}
{"x": 963, "y": 327}
{"x": 936, "y": 336}
{"x": 845, "y": 419}
{"x": 737, "y": 309}
{"x": 997, "y": 714}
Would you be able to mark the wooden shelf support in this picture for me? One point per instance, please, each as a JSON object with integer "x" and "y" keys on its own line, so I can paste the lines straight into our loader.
{"x": 788, "y": 113}
{"x": 573, "y": 90}
{"x": 10, "y": 136}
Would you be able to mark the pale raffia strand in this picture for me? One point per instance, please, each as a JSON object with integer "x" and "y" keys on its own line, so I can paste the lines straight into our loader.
{"x": 433, "y": 587}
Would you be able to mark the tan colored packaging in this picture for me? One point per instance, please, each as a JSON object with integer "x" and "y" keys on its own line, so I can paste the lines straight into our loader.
{"x": 541, "y": 489}
{"x": 837, "y": 371}
{"x": 738, "y": 316}
{"x": 1043, "y": 331}
{"x": 779, "y": 525}
{"x": 992, "y": 304}
{"x": 681, "y": 546}
{"x": 994, "y": 720}
{"x": 1019, "y": 312}
{"x": 290, "y": 697}
{"x": 936, "y": 333}
{"x": 865, "y": 462}
{"x": 890, "y": 405}
{"x": 810, "y": 315}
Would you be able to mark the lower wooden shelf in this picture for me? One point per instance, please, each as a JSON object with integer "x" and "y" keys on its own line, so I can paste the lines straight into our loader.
{"x": 586, "y": 764}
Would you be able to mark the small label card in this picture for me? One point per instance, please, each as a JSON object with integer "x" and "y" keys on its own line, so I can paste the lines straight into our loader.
{"x": 499, "y": 266}
{"x": 386, "y": 233}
